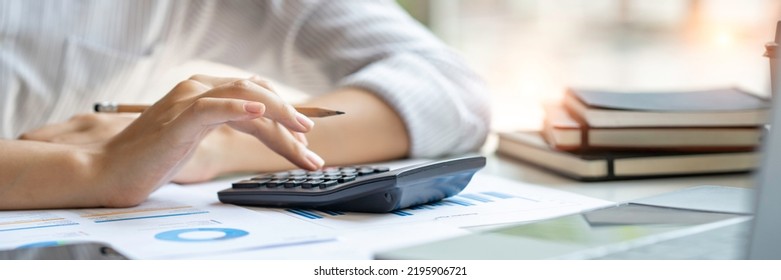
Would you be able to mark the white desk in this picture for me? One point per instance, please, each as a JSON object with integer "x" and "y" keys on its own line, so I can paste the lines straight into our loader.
{"x": 352, "y": 238}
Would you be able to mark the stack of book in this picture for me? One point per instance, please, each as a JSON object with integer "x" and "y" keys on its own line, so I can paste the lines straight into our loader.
{"x": 600, "y": 135}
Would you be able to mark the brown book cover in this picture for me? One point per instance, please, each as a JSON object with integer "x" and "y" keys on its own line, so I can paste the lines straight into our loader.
{"x": 707, "y": 108}
{"x": 565, "y": 132}
{"x": 530, "y": 147}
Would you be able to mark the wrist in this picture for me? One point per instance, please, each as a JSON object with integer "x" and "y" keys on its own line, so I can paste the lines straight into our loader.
{"x": 117, "y": 180}
{"x": 89, "y": 170}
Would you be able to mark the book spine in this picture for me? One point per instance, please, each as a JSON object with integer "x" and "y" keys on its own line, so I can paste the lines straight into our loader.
{"x": 582, "y": 126}
{"x": 586, "y": 144}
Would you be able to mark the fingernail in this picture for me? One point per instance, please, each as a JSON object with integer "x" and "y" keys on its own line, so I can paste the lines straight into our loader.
{"x": 305, "y": 121}
{"x": 254, "y": 107}
{"x": 314, "y": 159}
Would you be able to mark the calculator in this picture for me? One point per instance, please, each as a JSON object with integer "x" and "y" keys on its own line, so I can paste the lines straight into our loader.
{"x": 374, "y": 189}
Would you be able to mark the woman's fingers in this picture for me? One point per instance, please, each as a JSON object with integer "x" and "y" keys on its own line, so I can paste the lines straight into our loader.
{"x": 254, "y": 89}
{"x": 213, "y": 81}
{"x": 165, "y": 136}
{"x": 206, "y": 113}
{"x": 282, "y": 141}
{"x": 280, "y": 130}
{"x": 276, "y": 108}
{"x": 263, "y": 82}
{"x": 300, "y": 137}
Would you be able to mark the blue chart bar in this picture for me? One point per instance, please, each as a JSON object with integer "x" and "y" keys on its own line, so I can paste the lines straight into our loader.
{"x": 305, "y": 214}
{"x": 150, "y": 217}
{"x": 332, "y": 213}
{"x": 459, "y": 202}
{"x": 469, "y": 199}
{"x": 422, "y": 207}
{"x": 498, "y": 195}
{"x": 401, "y": 213}
{"x": 43, "y": 226}
{"x": 465, "y": 200}
{"x": 438, "y": 203}
{"x": 475, "y": 197}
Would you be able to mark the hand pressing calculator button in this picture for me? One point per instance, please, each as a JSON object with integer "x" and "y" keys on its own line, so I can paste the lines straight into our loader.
{"x": 374, "y": 189}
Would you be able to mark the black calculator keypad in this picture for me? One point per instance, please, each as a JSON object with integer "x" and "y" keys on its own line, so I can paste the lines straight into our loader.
{"x": 358, "y": 188}
{"x": 326, "y": 178}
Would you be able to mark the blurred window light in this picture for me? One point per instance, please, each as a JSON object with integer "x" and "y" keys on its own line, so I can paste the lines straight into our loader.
{"x": 529, "y": 51}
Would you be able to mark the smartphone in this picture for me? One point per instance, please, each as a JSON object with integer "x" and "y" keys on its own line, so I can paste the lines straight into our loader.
{"x": 67, "y": 251}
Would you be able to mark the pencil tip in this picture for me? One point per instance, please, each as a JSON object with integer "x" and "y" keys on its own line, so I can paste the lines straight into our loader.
{"x": 340, "y": 113}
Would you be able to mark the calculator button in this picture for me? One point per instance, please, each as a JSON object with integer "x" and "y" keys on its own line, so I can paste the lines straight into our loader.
{"x": 246, "y": 184}
{"x": 276, "y": 183}
{"x": 311, "y": 184}
{"x": 346, "y": 179}
{"x": 332, "y": 177}
{"x": 348, "y": 169}
{"x": 294, "y": 183}
{"x": 263, "y": 182}
{"x": 365, "y": 171}
{"x": 328, "y": 184}
{"x": 325, "y": 178}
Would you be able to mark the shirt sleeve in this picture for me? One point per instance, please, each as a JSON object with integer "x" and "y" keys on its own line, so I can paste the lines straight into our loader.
{"x": 377, "y": 46}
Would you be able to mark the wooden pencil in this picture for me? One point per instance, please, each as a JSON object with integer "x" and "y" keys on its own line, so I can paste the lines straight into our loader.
{"x": 106, "y": 107}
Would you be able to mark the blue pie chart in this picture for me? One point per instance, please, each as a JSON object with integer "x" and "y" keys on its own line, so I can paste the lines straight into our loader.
{"x": 200, "y": 234}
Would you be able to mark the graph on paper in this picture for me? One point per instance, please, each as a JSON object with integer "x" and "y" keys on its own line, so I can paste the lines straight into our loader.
{"x": 462, "y": 200}
{"x": 151, "y": 209}
{"x": 489, "y": 202}
{"x": 29, "y": 220}
{"x": 175, "y": 222}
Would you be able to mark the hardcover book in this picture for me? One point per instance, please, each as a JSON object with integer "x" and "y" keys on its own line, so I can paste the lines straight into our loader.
{"x": 563, "y": 132}
{"x": 708, "y": 108}
{"x": 530, "y": 147}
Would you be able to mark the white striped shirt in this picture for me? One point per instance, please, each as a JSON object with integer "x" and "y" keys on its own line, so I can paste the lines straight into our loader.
{"x": 57, "y": 57}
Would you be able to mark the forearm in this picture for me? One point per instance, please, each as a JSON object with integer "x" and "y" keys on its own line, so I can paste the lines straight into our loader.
{"x": 443, "y": 104}
{"x": 45, "y": 175}
{"x": 370, "y": 131}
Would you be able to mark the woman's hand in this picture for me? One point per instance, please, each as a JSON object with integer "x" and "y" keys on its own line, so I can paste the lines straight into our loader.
{"x": 123, "y": 170}
{"x": 156, "y": 145}
{"x": 211, "y": 157}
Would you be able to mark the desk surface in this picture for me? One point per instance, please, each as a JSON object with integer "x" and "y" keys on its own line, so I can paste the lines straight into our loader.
{"x": 613, "y": 190}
